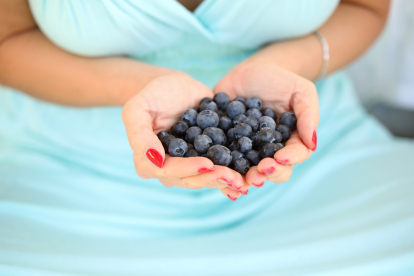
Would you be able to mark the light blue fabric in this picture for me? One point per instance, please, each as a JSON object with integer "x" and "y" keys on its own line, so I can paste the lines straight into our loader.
{"x": 71, "y": 203}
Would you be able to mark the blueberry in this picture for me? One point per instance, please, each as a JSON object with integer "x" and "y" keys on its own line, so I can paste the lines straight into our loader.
{"x": 253, "y": 157}
{"x": 222, "y": 100}
{"x": 254, "y": 112}
{"x": 205, "y": 99}
{"x": 179, "y": 129}
{"x": 216, "y": 134}
{"x": 177, "y": 148}
{"x": 225, "y": 123}
{"x": 244, "y": 144}
{"x": 238, "y": 119}
{"x": 254, "y": 102}
{"x": 220, "y": 155}
{"x": 190, "y": 117}
{"x": 231, "y": 135}
{"x": 240, "y": 99}
{"x": 235, "y": 108}
{"x": 190, "y": 146}
{"x": 269, "y": 112}
{"x": 269, "y": 150}
{"x": 196, "y": 108}
{"x": 235, "y": 154}
{"x": 204, "y": 155}
{"x": 266, "y": 121}
{"x": 192, "y": 153}
{"x": 242, "y": 130}
{"x": 233, "y": 146}
{"x": 241, "y": 166}
{"x": 288, "y": 119}
{"x": 285, "y": 131}
{"x": 207, "y": 118}
{"x": 266, "y": 135}
{"x": 278, "y": 137}
{"x": 162, "y": 134}
{"x": 202, "y": 143}
{"x": 254, "y": 135}
{"x": 208, "y": 106}
{"x": 192, "y": 133}
{"x": 220, "y": 113}
{"x": 166, "y": 140}
{"x": 281, "y": 146}
{"x": 252, "y": 122}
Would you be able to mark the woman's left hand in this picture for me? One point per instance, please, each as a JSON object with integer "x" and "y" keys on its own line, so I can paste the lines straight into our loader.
{"x": 282, "y": 91}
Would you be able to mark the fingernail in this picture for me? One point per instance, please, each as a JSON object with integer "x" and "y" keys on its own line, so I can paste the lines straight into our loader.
{"x": 269, "y": 171}
{"x": 203, "y": 170}
{"x": 232, "y": 198}
{"x": 234, "y": 187}
{"x": 282, "y": 162}
{"x": 258, "y": 185}
{"x": 223, "y": 181}
{"x": 244, "y": 193}
{"x": 314, "y": 139}
{"x": 155, "y": 157}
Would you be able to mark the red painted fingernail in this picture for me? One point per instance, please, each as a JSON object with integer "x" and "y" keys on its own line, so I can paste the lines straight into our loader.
{"x": 282, "y": 162}
{"x": 232, "y": 198}
{"x": 155, "y": 157}
{"x": 244, "y": 193}
{"x": 203, "y": 170}
{"x": 222, "y": 180}
{"x": 269, "y": 171}
{"x": 314, "y": 139}
{"x": 258, "y": 185}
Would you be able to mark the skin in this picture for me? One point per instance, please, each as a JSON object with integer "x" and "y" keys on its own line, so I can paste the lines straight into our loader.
{"x": 287, "y": 67}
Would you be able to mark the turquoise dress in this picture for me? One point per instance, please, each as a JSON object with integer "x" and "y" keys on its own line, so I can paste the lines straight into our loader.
{"x": 71, "y": 203}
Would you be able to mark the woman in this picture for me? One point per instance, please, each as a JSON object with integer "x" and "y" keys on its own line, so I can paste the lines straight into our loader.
{"x": 71, "y": 201}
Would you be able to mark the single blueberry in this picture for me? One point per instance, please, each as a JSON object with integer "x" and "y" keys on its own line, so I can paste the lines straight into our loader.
{"x": 235, "y": 108}
{"x": 252, "y": 122}
{"x": 220, "y": 155}
{"x": 222, "y": 100}
{"x": 281, "y": 146}
{"x": 231, "y": 135}
{"x": 244, "y": 144}
{"x": 240, "y": 99}
{"x": 179, "y": 129}
{"x": 242, "y": 130}
{"x": 192, "y": 153}
{"x": 204, "y": 155}
{"x": 190, "y": 117}
{"x": 269, "y": 112}
{"x": 202, "y": 143}
{"x": 205, "y": 99}
{"x": 254, "y": 112}
{"x": 254, "y": 102}
{"x": 207, "y": 118}
{"x": 254, "y": 135}
{"x": 190, "y": 146}
{"x": 217, "y": 135}
{"x": 208, "y": 106}
{"x": 278, "y": 137}
{"x": 225, "y": 123}
{"x": 177, "y": 148}
{"x": 162, "y": 134}
{"x": 192, "y": 133}
{"x": 266, "y": 135}
{"x": 241, "y": 166}
{"x": 269, "y": 150}
{"x": 285, "y": 131}
{"x": 238, "y": 119}
{"x": 253, "y": 157}
{"x": 235, "y": 154}
{"x": 233, "y": 146}
{"x": 166, "y": 140}
{"x": 288, "y": 119}
{"x": 266, "y": 121}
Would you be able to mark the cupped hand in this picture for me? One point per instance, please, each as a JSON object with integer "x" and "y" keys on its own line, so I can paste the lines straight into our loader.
{"x": 157, "y": 107}
{"x": 282, "y": 91}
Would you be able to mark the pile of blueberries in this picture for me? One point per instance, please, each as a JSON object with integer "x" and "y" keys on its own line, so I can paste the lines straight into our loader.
{"x": 237, "y": 134}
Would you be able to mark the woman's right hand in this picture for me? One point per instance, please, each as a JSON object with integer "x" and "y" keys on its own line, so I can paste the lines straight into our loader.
{"x": 157, "y": 107}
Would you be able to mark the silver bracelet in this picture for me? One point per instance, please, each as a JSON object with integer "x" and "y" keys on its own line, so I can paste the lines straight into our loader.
{"x": 325, "y": 48}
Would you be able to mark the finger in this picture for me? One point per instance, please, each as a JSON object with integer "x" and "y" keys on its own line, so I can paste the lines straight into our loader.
{"x": 141, "y": 137}
{"x": 255, "y": 178}
{"x": 220, "y": 178}
{"x": 306, "y": 108}
{"x": 273, "y": 171}
{"x": 232, "y": 194}
{"x": 174, "y": 167}
{"x": 294, "y": 152}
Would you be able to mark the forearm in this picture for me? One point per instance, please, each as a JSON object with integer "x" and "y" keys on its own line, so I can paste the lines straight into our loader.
{"x": 349, "y": 32}
{"x": 31, "y": 63}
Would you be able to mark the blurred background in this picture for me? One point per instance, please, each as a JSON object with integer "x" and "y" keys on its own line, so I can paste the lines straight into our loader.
{"x": 384, "y": 75}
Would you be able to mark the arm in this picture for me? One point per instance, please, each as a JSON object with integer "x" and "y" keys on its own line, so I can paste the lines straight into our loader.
{"x": 33, "y": 64}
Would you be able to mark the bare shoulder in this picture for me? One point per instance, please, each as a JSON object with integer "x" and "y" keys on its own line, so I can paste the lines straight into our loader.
{"x": 379, "y": 7}
{"x": 15, "y": 17}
